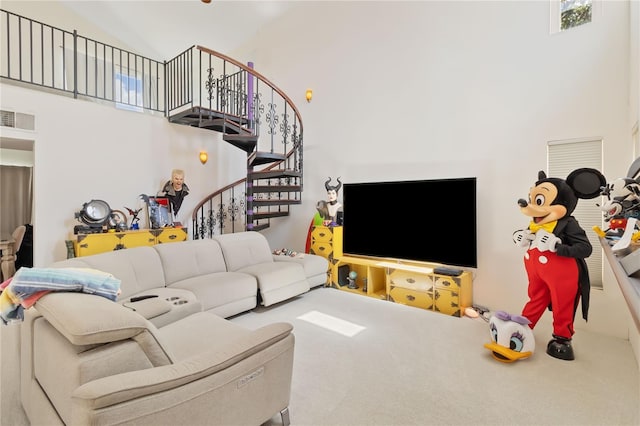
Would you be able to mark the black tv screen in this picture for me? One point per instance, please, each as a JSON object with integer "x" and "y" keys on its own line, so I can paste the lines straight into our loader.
{"x": 430, "y": 221}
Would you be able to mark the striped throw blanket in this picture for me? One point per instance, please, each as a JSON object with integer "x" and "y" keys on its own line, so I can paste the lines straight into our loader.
{"x": 29, "y": 284}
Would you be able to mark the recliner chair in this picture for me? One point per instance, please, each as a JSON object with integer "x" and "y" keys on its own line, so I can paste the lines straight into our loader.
{"x": 88, "y": 360}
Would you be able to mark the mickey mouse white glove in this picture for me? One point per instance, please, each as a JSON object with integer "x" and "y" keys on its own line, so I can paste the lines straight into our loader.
{"x": 546, "y": 241}
{"x": 523, "y": 237}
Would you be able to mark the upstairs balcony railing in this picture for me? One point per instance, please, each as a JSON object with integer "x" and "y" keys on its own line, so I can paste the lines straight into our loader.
{"x": 199, "y": 87}
{"x": 51, "y": 58}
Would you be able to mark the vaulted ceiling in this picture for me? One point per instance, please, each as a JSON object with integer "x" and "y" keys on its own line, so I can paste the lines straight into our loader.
{"x": 160, "y": 29}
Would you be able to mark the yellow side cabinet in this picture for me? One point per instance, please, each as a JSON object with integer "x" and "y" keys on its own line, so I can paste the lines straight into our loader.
{"x": 326, "y": 241}
{"x": 89, "y": 244}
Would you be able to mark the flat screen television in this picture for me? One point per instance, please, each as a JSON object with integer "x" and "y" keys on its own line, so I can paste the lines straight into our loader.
{"x": 431, "y": 221}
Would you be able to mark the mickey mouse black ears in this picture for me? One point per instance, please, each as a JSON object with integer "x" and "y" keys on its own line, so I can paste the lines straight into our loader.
{"x": 587, "y": 183}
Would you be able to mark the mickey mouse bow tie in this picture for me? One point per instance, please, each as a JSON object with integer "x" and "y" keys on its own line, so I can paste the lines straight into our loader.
{"x": 549, "y": 227}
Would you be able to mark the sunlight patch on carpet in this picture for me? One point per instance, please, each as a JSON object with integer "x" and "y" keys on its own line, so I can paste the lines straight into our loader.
{"x": 329, "y": 322}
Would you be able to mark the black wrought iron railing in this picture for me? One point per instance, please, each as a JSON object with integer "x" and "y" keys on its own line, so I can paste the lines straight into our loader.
{"x": 223, "y": 94}
{"x": 52, "y": 58}
{"x": 199, "y": 87}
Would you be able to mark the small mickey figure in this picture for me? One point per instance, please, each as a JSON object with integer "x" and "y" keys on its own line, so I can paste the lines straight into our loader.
{"x": 556, "y": 251}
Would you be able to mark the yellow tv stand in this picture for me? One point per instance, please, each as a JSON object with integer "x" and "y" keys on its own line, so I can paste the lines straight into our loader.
{"x": 405, "y": 282}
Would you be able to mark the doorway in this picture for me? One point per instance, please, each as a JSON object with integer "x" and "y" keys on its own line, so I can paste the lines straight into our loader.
{"x": 16, "y": 193}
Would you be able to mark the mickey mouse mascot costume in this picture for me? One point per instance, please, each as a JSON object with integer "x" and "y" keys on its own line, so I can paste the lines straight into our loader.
{"x": 556, "y": 251}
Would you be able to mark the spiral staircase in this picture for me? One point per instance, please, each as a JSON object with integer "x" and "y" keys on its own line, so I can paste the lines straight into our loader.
{"x": 253, "y": 115}
{"x": 199, "y": 88}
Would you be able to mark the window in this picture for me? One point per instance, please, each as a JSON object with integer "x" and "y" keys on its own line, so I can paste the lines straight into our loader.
{"x": 574, "y": 13}
{"x": 563, "y": 157}
{"x": 128, "y": 94}
{"x": 567, "y": 14}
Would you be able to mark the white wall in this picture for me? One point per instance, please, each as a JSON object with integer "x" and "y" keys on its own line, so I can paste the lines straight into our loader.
{"x": 402, "y": 90}
{"x": 408, "y": 90}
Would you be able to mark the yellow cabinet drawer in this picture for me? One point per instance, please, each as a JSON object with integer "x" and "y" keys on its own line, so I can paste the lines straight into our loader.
{"x": 410, "y": 280}
{"x": 322, "y": 233}
{"x": 136, "y": 239}
{"x": 447, "y": 302}
{"x": 459, "y": 287}
{"x": 321, "y": 248}
{"x": 445, "y": 281}
{"x": 405, "y": 296}
{"x": 171, "y": 235}
{"x": 90, "y": 244}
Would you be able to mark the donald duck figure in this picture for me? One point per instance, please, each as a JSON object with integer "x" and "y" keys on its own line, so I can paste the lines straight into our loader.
{"x": 556, "y": 251}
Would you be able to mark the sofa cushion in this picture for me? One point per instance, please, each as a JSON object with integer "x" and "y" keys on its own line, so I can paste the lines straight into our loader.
{"x": 189, "y": 259}
{"x": 278, "y": 281}
{"x": 138, "y": 268}
{"x": 86, "y": 319}
{"x": 315, "y": 267}
{"x": 217, "y": 289}
{"x": 243, "y": 249}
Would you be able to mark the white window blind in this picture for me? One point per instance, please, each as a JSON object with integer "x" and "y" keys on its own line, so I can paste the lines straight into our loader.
{"x": 563, "y": 157}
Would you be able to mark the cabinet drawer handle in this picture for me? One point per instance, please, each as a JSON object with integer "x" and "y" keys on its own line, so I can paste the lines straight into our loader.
{"x": 411, "y": 298}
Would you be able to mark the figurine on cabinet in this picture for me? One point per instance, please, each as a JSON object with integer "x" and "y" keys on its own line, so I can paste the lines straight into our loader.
{"x": 330, "y": 211}
{"x": 175, "y": 189}
{"x": 353, "y": 275}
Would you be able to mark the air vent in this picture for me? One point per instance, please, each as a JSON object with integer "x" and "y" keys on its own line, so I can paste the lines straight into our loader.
{"x": 18, "y": 120}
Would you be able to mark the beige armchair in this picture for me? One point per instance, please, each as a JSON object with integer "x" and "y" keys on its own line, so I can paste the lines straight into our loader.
{"x": 88, "y": 360}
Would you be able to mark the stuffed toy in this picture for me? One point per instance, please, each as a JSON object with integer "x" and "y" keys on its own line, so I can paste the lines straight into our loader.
{"x": 622, "y": 202}
{"x": 511, "y": 337}
{"x": 556, "y": 251}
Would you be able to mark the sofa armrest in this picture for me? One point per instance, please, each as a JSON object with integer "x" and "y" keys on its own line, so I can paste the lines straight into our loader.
{"x": 108, "y": 391}
{"x": 149, "y": 308}
{"x": 86, "y": 319}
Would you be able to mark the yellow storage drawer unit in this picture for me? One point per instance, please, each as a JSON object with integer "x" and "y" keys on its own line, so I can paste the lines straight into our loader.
{"x": 89, "y": 244}
{"x": 410, "y": 288}
{"x": 452, "y": 294}
{"x": 420, "y": 287}
{"x": 326, "y": 242}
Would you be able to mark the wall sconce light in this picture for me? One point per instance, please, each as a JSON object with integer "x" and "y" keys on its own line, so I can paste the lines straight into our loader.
{"x": 203, "y": 156}
{"x": 309, "y": 95}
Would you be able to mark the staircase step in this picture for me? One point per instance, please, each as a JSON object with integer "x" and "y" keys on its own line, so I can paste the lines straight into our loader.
{"x": 209, "y": 119}
{"x": 222, "y": 126}
{"x": 269, "y": 215}
{"x": 261, "y": 157}
{"x": 275, "y": 202}
{"x": 276, "y": 188}
{"x": 246, "y": 142}
{"x": 259, "y": 227}
{"x": 271, "y": 174}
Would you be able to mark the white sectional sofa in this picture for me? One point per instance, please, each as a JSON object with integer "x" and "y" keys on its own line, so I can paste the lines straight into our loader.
{"x": 226, "y": 275}
{"x": 171, "y": 358}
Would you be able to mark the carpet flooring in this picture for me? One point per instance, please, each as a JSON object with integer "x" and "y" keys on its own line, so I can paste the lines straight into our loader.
{"x": 363, "y": 361}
